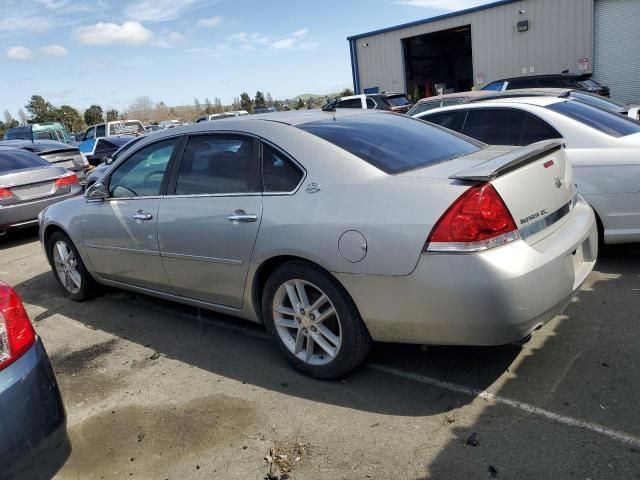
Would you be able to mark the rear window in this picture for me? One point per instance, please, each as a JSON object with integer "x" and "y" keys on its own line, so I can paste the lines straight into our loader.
{"x": 13, "y": 160}
{"x": 392, "y": 143}
{"x": 600, "y": 102}
{"x": 605, "y": 122}
{"x": 398, "y": 100}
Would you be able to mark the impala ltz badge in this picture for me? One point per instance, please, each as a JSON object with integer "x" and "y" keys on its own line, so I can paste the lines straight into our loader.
{"x": 533, "y": 216}
{"x": 557, "y": 182}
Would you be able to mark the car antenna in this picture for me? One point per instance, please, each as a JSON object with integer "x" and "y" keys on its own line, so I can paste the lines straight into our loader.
{"x": 31, "y": 130}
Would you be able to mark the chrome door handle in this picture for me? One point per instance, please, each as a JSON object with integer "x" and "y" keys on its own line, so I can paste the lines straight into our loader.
{"x": 140, "y": 215}
{"x": 242, "y": 218}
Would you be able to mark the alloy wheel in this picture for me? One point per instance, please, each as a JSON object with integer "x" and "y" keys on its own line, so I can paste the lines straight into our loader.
{"x": 307, "y": 322}
{"x": 66, "y": 265}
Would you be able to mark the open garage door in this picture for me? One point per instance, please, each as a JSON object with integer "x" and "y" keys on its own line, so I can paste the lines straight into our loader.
{"x": 617, "y": 52}
{"x": 439, "y": 62}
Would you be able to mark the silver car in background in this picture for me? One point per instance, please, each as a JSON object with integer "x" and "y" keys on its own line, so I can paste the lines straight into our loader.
{"x": 334, "y": 229}
{"x": 28, "y": 184}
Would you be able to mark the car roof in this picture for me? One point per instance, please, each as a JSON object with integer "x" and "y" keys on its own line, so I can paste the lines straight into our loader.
{"x": 548, "y": 75}
{"x": 36, "y": 145}
{"x": 525, "y": 92}
{"x": 541, "y": 101}
{"x": 470, "y": 93}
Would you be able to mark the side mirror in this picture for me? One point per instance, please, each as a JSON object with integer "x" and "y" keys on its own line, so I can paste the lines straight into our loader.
{"x": 97, "y": 191}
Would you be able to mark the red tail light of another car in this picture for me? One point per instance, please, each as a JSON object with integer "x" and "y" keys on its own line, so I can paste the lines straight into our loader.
{"x": 478, "y": 220}
{"x": 66, "y": 180}
{"x": 16, "y": 332}
{"x": 5, "y": 193}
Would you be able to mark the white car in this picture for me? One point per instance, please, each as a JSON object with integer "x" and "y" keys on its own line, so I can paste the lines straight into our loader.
{"x": 117, "y": 127}
{"x": 603, "y": 147}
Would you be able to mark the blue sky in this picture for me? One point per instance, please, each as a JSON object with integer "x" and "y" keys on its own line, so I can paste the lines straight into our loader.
{"x": 109, "y": 51}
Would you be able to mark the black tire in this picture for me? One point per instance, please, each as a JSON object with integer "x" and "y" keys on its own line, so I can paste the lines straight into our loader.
{"x": 355, "y": 339}
{"x": 88, "y": 285}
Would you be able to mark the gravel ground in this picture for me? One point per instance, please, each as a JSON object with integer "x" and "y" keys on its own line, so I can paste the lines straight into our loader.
{"x": 152, "y": 391}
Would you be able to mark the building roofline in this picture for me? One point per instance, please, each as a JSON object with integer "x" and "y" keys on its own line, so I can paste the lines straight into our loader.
{"x": 433, "y": 19}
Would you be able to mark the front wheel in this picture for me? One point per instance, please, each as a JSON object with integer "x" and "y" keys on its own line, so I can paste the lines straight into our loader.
{"x": 314, "y": 321}
{"x": 68, "y": 268}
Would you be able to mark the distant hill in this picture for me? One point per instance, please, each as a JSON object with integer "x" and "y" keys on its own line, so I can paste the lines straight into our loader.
{"x": 306, "y": 96}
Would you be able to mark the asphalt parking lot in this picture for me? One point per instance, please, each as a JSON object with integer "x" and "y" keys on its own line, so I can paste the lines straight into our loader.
{"x": 152, "y": 390}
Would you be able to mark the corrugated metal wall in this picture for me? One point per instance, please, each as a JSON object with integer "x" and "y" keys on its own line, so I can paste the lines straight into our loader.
{"x": 617, "y": 48}
{"x": 560, "y": 34}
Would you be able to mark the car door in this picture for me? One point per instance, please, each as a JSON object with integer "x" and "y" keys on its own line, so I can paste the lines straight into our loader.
{"x": 120, "y": 233}
{"x": 208, "y": 223}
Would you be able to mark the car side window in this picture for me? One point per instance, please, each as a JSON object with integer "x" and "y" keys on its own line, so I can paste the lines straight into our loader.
{"x": 90, "y": 134}
{"x": 219, "y": 164}
{"x": 523, "y": 83}
{"x": 536, "y": 130}
{"x": 495, "y": 86}
{"x": 141, "y": 174}
{"x": 350, "y": 103}
{"x": 451, "y": 120}
{"x": 495, "y": 126}
{"x": 279, "y": 174}
{"x": 370, "y": 103}
{"x": 100, "y": 131}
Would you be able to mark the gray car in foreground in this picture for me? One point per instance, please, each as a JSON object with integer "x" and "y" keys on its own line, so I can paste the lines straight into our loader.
{"x": 335, "y": 229}
{"x": 28, "y": 184}
{"x": 33, "y": 434}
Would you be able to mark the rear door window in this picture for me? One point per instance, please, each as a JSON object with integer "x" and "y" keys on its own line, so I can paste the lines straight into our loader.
{"x": 601, "y": 120}
{"x": 392, "y": 143}
{"x": 451, "y": 120}
{"x": 495, "y": 126}
{"x": 536, "y": 130}
{"x": 523, "y": 83}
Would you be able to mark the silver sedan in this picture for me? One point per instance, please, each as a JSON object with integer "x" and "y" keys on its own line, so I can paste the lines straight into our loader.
{"x": 335, "y": 230}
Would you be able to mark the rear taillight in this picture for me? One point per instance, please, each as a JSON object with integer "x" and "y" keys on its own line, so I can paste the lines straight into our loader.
{"x": 478, "y": 220}
{"x": 16, "y": 332}
{"x": 67, "y": 180}
{"x": 5, "y": 193}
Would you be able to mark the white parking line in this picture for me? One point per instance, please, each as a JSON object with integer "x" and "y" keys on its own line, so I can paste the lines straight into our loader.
{"x": 473, "y": 392}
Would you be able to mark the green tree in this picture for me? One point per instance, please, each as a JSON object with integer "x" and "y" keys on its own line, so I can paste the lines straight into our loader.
{"x": 71, "y": 118}
{"x": 269, "y": 100}
{"x": 196, "y": 103}
{"x": 208, "y": 109}
{"x": 300, "y": 104}
{"x": 112, "y": 115}
{"x": 347, "y": 92}
{"x": 245, "y": 102}
{"x": 217, "y": 105}
{"x": 41, "y": 110}
{"x": 93, "y": 115}
{"x": 259, "y": 101}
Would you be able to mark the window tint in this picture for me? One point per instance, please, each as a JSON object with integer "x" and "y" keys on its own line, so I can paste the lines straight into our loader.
{"x": 392, "y": 143}
{"x": 12, "y": 159}
{"x": 496, "y": 86}
{"x": 453, "y": 101}
{"x": 398, "y": 100}
{"x": 605, "y": 122}
{"x": 278, "y": 172}
{"x": 91, "y": 133}
{"x": 351, "y": 103}
{"x": 536, "y": 130}
{"x": 215, "y": 164}
{"x": 495, "y": 126}
{"x": 599, "y": 102}
{"x": 523, "y": 83}
{"x": 100, "y": 131}
{"x": 370, "y": 103}
{"x": 44, "y": 136}
{"x": 450, "y": 120}
{"x": 141, "y": 174}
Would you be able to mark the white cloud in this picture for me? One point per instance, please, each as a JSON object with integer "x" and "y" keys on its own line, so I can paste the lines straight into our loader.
{"x": 102, "y": 33}
{"x": 54, "y": 51}
{"x": 169, "y": 40}
{"x": 209, "y": 22}
{"x": 19, "y": 53}
{"x": 156, "y": 10}
{"x": 258, "y": 41}
{"x": 448, "y": 5}
{"x": 23, "y": 23}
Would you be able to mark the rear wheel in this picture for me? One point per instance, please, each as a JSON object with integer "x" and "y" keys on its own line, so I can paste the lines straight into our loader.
{"x": 314, "y": 321}
{"x": 68, "y": 268}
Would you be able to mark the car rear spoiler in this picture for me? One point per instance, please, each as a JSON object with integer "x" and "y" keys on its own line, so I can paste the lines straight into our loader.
{"x": 502, "y": 164}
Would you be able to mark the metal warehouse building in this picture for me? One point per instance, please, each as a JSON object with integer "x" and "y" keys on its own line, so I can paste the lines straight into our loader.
{"x": 507, "y": 38}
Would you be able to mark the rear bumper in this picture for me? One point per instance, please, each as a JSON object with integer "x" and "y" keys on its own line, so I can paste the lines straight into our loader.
{"x": 26, "y": 213}
{"x": 33, "y": 436}
{"x": 490, "y": 298}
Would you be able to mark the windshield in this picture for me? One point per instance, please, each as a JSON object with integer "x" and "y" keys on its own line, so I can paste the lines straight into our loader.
{"x": 392, "y": 143}
{"x": 12, "y": 160}
{"x": 599, "y": 102}
{"x": 606, "y": 122}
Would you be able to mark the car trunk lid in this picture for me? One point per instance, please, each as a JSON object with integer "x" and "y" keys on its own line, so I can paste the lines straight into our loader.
{"x": 32, "y": 184}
